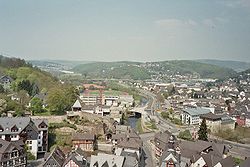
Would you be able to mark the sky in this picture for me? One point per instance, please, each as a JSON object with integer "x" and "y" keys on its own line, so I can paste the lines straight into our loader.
{"x": 125, "y": 30}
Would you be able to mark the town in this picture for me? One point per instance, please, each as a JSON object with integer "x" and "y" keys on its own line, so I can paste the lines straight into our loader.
{"x": 129, "y": 83}
{"x": 187, "y": 122}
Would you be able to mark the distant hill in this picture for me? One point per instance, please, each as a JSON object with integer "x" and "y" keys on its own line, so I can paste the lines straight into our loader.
{"x": 137, "y": 70}
{"x": 235, "y": 65}
{"x": 65, "y": 63}
{"x": 119, "y": 70}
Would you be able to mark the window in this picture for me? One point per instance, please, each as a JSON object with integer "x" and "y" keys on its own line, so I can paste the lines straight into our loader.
{"x": 30, "y": 147}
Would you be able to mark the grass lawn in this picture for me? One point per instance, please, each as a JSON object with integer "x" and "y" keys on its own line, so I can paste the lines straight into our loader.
{"x": 151, "y": 125}
{"x": 240, "y": 134}
{"x": 138, "y": 126}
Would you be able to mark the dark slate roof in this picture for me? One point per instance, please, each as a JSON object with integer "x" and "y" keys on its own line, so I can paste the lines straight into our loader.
{"x": 130, "y": 143}
{"x": 6, "y": 77}
{"x": 227, "y": 162}
{"x": 162, "y": 139}
{"x": 57, "y": 155}
{"x": 8, "y": 122}
{"x": 211, "y": 116}
{"x": 79, "y": 160}
{"x": 7, "y": 147}
{"x": 131, "y": 159}
{"x": 83, "y": 136}
{"x": 210, "y": 159}
{"x": 39, "y": 121}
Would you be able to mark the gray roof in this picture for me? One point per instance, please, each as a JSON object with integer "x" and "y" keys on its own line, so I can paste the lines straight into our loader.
{"x": 131, "y": 159}
{"x": 56, "y": 155}
{"x": 196, "y": 111}
{"x": 39, "y": 121}
{"x": 9, "y": 122}
{"x": 7, "y": 147}
{"x": 79, "y": 160}
{"x": 211, "y": 116}
{"x": 77, "y": 104}
{"x": 83, "y": 136}
{"x": 227, "y": 162}
{"x": 245, "y": 163}
{"x": 132, "y": 143}
{"x": 107, "y": 159}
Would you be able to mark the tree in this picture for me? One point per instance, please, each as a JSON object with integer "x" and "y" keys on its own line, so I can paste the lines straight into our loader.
{"x": 71, "y": 94}
{"x": 36, "y": 105}
{"x": 2, "y": 89}
{"x": 203, "y": 131}
{"x": 25, "y": 85}
{"x": 186, "y": 135}
{"x": 56, "y": 101}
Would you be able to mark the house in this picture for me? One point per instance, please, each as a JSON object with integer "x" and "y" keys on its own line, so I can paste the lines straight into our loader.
{"x": 12, "y": 153}
{"x": 245, "y": 163}
{"x": 191, "y": 116}
{"x": 126, "y": 100}
{"x": 131, "y": 145}
{"x": 131, "y": 159}
{"x": 89, "y": 99}
{"x": 76, "y": 158}
{"x": 162, "y": 141}
{"x": 227, "y": 162}
{"x": 55, "y": 159}
{"x": 85, "y": 141}
{"x": 77, "y": 106}
{"x": 204, "y": 160}
{"x": 107, "y": 160}
{"x": 217, "y": 122}
{"x": 33, "y": 132}
{"x": 111, "y": 100}
{"x": 241, "y": 120}
{"x": 171, "y": 158}
{"x": 102, "y": 110}
{"x": 6, "y": 81}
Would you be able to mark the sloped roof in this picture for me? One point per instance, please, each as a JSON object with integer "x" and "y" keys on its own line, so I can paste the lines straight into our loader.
{"x": 57, "y": 155}
{"x": 77, "y": 104}
{"x": 245, "y": 163}
{"x": 227, "y": 162}
{"x": 8, "y": 122}
{"x": 83, "y": 136}
{"x": 132, "y": 143}
{"x": 111, "y": 160}
{"x": 7, "y": 147}
{"x": 196, "y": 111}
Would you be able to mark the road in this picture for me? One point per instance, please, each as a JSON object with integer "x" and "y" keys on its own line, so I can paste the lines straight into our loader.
{"x": 237, "y": 149}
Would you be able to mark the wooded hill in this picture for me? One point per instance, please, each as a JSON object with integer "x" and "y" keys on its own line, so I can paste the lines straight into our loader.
{"x": 137, "y": 70}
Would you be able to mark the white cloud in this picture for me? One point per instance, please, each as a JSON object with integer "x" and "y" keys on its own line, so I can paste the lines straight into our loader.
{"x": 209, "y": 23}
{"x": 235, "y": 3}
{"x": 175, "y": 23}
{"x": 214, "y": 22}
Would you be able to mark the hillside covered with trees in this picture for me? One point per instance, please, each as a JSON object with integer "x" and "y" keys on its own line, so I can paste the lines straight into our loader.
{"x": 142, "y": 71}
{"x": 30, "y": 89}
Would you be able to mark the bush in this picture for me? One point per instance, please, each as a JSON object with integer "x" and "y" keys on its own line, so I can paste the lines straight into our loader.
{"x": 165, "y": 115}
{"x": 186, "y": 135}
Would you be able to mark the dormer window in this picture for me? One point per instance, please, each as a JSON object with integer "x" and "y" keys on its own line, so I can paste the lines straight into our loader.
{"x": 14, "y": 129}
{"x": 1, "y": 128}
